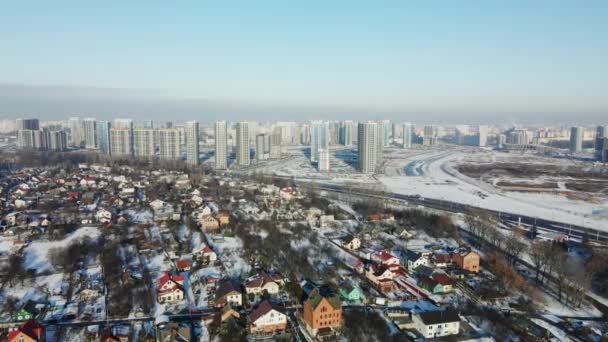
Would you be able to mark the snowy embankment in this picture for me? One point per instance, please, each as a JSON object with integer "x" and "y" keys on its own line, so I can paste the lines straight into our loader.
{"x": 37, "y": 253}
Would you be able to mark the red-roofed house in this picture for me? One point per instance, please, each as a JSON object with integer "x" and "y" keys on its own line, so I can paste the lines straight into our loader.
{"x": 169, "y": 288}
{"x": 380, "y": 277}
{"x": 386, "y": 259}
{"x": 30, "y": 331}
{"x": 183, "y": 265}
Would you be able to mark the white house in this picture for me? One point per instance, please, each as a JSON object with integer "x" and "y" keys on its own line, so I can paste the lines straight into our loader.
{"x": 437, "y": 323}
{"x": 103, "y": 216}
{"x": 267, "y": 318}
{"x": 262, "y": 282}
{"x": 169, "y": 289}
{"x": 351, "y": 243}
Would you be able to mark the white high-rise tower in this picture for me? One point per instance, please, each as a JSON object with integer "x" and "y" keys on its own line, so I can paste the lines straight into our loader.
{"x": 221, "y": 145}
{"x": 367, "y": 146}
{"x": 192, "y": 148}
{"x": 242, "y": 144}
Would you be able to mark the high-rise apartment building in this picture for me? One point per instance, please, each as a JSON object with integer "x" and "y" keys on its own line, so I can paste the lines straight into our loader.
{"x": 128, "y": 125}
{"x": 367, "y": 149}
{"x": 386, "y": 133}
{"x": 482, "y": 135}
{"x": 407, "y": 135}
{"x": 103, "y": 136}
{"x": 273, "y": 145}
{"x": 169, "y": 144}
{"x": 89, "y": 126}
{"x": 305, "y": 134}
{"x": 379, "y": 141}
{"x": 76, "y": 131}
{"x": 576, "y": 139}
{"x": 429, "y": 136}
{"x": 121, "y": 142}
{"x": 261, "y": 151}
{"x": 242, "y": 143}
{"x": 347, "y": 132}
{"x": 143, "y": 143}
{"x": 324, "y": 160}
{"x": 192, "y": 147}
{"x": 221, "y": 145}
{"x": 601, "y": 133}
{"x": 319, "y": 138}
{"x": 58, "y": 141}
{"x": 29, "y": 139}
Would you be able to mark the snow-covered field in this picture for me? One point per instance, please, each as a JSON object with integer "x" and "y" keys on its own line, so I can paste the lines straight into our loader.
{"x": 430, "y": 173}
{"x": 37, "y": 253}
{"x": 439, "y": 180}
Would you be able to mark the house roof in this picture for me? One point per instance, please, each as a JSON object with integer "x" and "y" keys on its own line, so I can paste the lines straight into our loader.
{"x": 262, "y": 309}
{"x": 183, "y": 263}
{"x": 315, "y": 298}
{"x": 439, "y": 317}
{"x": 166, "y": 277}
{"x": 441, "y": 257}
{"x": 225, "y": 287}
{"x": 384, "y": 256}
{"x": 31, "y": 328}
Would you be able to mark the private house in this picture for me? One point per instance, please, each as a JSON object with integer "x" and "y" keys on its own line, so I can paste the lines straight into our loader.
{"x": 322, "y": 314}
{"x": 438, "y": 283}
{"x": 349, "y": 292}
{"x": 30, "y": 331}
{"x": 415, "y": 259}
{"x": 23, "y": 315}
{"x": 103, "y": 216}
{"x": 267, "y": 319}
{"x": 204, "y": 255}
{"x": 224, "y": 217}
{"x": 386, "y": 259}
{"x": 262, "y": 282}
{"x": 441, "y": 260}
{"x": 183, "y": 265}
{"x": 381, "y": 277}
{"x": 466, "y": 260}
{"x": 351, "y": 243}
{"x": 228, "y": 293}
{"x": 169, "y": 288}
{"x": 209, "y": 224}
{"x": 437, "y": 323}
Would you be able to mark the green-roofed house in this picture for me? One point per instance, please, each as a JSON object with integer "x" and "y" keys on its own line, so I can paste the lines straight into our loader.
{"x": 322, "y": 314}
{"x": 349, "y": 292}
{"x": 23, "y": 315}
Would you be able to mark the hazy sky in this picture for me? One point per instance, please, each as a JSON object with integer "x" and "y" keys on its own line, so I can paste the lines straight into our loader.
{"x": 443, "y": 60}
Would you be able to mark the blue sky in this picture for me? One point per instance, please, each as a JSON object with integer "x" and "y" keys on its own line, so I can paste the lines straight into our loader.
{"x": 450, "y": 57}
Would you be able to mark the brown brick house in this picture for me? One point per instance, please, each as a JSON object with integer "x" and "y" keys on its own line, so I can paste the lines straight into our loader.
{"x": 466, "y": 260}
{"x": 322, "y": 313}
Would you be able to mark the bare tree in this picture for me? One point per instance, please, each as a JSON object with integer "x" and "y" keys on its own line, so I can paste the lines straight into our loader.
{"x": 514, "y": 246}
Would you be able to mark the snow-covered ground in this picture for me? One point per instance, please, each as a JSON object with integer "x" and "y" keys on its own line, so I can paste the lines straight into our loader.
{"x": 438, "y": 180}
{"x": 37, "y": 253}
{"x": 430, "y": 173}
